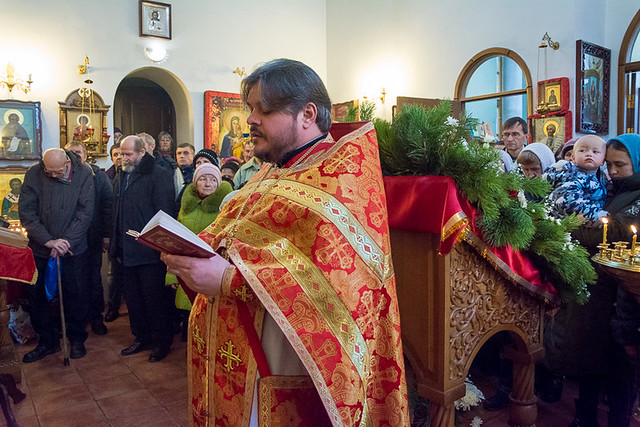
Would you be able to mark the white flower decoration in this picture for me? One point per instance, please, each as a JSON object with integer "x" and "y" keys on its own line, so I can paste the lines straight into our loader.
{"x": 522, "y": 199}
{"x": 451, "y": 121}
{"x": 473, "y": 397}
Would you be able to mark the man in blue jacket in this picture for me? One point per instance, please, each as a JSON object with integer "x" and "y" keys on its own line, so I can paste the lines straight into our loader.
{"x": 56, "y": 208}
{"x": 140, "y": 190}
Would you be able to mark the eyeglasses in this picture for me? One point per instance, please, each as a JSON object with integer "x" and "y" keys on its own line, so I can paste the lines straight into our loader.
{"x": 513, "y": 134}
{"x": 58, "y": 173}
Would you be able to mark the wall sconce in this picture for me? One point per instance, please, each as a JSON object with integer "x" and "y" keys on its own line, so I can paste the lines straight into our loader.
{"x": 552, "y": 44}
{"x": 382, "y": 97}
{"x": 240, "y": 71}
{"x": 541, "y": 72}
{"x": 9, "y": 81}
{"x": 82, "y": 69}
{"x": 155, "y": 54}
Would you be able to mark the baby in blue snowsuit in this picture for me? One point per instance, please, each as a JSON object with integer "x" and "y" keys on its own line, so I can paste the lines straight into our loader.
{"x": 580, "y": 186}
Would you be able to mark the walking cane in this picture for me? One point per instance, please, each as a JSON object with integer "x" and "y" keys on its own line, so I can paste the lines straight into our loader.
{"x": 65, "y": 343}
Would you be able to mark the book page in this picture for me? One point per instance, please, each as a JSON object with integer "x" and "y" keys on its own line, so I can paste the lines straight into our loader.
{"x": 171, "y": 225}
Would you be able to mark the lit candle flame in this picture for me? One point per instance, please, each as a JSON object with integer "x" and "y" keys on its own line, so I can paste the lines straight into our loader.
{"x": 605, "y": 221}
{"x": 633, "y": 228}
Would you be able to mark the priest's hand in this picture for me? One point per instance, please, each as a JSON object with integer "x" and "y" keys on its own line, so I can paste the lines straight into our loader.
{"x": 203, "y": 275}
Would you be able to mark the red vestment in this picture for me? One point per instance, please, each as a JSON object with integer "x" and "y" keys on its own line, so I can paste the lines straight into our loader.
{"x": 311, "y": 248}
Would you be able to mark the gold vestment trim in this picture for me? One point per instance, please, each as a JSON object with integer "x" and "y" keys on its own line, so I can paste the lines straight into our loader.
{"x": 335, "y": 212}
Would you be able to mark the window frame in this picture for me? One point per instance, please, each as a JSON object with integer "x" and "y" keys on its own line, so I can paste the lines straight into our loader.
{"x": 625, "y": 67}
{"x": 480, "y": 58}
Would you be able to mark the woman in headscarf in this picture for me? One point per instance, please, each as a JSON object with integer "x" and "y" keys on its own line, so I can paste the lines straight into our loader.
{"x": 579, "y": 340}
{"x": 534, "y": 159}
{"x": 199, "y": 208}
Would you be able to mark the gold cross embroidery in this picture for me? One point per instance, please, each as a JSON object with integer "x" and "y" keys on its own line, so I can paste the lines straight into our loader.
{"x": 198, "y": 339}
{"x": 230, "y": 356}
{"x": 243, "y": 294}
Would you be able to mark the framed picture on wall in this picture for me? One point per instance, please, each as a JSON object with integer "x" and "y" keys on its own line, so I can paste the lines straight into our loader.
{"x": 20, "y": 130}
{"x": 225, "y": 123}
{"x": 345, "y": 111}
{"x": 593, "y": 64}
{"x": 551, "y": 129}
{"x": 554, "y": 94}
{"x": 154, "y": 19}
{"x": 11, "y": 179}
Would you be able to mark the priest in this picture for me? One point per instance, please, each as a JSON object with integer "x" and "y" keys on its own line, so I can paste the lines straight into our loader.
{"x": 296, "y": 321}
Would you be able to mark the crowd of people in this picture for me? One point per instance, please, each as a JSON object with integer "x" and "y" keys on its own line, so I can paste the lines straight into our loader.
{"x": 595, "y": 343}
{"x": 74, "y": 211}
{"x": 276, "y": 291}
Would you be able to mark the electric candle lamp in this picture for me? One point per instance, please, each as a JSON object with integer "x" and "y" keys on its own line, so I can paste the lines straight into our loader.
{"x": 633, "y": 241}
{"x": 605, "y": 221}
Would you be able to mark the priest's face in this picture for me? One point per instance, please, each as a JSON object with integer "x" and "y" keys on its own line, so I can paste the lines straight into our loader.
{"x": 274, "y": 134}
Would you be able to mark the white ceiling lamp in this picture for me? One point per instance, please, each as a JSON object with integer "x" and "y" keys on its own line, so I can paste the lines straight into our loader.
{"x": 155, "y": 53}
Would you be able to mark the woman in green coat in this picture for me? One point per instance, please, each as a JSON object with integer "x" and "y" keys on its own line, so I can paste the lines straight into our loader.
{"x": 200, "y": 207}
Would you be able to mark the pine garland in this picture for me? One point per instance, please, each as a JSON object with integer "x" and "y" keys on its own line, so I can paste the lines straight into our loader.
{"x": 430, "y": 142}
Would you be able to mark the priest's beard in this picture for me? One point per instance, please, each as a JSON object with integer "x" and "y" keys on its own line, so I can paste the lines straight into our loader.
{"x": 273, "y": 149}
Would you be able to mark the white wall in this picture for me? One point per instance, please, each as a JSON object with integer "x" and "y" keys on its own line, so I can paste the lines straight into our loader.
{"x": 210, "y": 39}
{"x": 427, "y": 43}
{"x": 409, "y": 47}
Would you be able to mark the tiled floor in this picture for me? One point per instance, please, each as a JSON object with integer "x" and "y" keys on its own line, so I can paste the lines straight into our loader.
{"x": 104, "y": 388}
{"x": 107, "y": 389}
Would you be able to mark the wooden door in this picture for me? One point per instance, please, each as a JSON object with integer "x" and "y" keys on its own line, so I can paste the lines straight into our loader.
{"x": 141, "y": 105}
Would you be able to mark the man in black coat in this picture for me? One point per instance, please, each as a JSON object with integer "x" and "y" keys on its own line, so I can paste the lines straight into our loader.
{"x": 98, "y": 237}
{"x": 141, "y": 189}
{"x": 56, "y": 207}
{"x": 163, "y": 161}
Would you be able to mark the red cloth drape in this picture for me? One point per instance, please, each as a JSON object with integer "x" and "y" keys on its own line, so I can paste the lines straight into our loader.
{"x": 17, "y": 264}
{"x": 434, "y": 204}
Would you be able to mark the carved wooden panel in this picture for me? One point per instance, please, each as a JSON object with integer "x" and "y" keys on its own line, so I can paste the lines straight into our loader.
{"x": 483, "y": 301}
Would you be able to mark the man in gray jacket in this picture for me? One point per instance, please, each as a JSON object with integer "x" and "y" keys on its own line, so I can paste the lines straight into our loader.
{"x": 56, "y": 207}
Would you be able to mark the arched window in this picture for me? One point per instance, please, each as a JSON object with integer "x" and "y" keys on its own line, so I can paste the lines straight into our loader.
{"x": 494, "y": 86}
{"x": 629, "y": 79}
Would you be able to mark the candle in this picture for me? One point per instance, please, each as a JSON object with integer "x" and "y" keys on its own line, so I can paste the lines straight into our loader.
{"x": 633, "y": 241}
{"x": 605, "y": 221}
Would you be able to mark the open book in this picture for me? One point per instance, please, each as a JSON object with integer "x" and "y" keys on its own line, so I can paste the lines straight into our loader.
{"x": 166, "y": 234}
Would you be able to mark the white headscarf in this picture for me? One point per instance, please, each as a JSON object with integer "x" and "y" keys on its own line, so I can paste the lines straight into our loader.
{"x": 543, "y": 152}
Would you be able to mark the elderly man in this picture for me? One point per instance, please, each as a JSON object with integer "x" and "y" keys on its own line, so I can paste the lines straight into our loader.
{"x": 185, "y": 153}
{"x": 140, "y": 191}
{"x": 163, "y": 161}
{"x": 56, "y": 208}
{"x": 98, "y": 237}
{"x": 294, "y": 297}
{"x": 514, "y": 135}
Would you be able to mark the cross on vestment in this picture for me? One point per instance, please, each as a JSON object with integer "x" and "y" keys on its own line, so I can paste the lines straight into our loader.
{"x": 229, "y": 355}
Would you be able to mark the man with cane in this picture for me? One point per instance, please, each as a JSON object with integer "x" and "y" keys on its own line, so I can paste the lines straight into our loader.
{"x": 56, "y": 208}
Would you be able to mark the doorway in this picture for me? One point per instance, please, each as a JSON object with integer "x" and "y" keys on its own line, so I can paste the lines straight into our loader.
{"x": 141, "y": 105}
{"x": 152, "y": 99}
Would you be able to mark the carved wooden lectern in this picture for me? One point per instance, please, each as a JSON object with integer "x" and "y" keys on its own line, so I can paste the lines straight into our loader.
{"x": 450, "y": 305}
